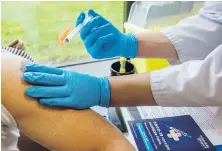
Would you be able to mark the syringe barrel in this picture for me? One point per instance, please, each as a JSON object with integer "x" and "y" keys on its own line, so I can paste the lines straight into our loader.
{"x": 76, "y": 30}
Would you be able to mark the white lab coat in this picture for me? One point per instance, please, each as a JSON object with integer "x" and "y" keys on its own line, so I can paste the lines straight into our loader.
{"x": 198, "y": 80}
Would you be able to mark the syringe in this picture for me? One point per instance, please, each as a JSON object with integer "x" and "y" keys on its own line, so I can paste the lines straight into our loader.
{"x": 76, "y": 30}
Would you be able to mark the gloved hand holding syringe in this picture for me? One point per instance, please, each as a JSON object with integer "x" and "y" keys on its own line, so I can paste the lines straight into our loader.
{"x": 101, "y": 38}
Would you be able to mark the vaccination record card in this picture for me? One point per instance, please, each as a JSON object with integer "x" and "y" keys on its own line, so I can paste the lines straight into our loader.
{"x": 179, "y": 133}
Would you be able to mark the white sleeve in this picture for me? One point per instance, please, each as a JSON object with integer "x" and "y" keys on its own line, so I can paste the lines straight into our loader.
{"x": 193, "y": 83}
{"x": 9, "y": 131}
{"x": 196, "y": 36}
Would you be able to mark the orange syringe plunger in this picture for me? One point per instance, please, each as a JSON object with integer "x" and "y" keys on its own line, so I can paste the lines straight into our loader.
{"x": 63, "y": 35}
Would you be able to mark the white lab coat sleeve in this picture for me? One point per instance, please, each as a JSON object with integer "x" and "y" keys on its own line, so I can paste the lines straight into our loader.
{"x": 196, "y": 36}
{"x": 193, "y": 83}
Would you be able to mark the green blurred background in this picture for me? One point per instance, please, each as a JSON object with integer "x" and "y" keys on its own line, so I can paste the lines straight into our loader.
{"x": 38, "y": 24}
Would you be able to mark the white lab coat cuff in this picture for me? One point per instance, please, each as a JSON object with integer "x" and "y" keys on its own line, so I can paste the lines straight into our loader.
{"x": 159, "y": 90}
{"x": 176, "y": 42}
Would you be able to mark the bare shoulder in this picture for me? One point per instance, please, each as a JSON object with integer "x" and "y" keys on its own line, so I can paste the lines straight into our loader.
{"x": 13, "y": 87}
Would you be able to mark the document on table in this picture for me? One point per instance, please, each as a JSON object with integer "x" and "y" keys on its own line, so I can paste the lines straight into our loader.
{"x": 203, "y": 116}
{"x": 178, "y": 133}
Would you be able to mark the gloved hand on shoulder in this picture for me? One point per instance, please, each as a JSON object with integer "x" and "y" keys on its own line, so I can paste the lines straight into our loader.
{"x": 103, "y": 40}
{"x": 57, "y": 87}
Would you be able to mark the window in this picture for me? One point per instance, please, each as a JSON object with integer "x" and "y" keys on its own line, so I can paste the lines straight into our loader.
{"x": 38, "y": 24}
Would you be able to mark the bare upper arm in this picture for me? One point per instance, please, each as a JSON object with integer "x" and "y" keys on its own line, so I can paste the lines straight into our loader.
{"x": 13, "y": 85}
{"x": 58, "y": 129}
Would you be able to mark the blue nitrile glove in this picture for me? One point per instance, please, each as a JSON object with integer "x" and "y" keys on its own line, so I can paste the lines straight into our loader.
{"x": 103, "y": 40}
{"x": 57, "y": 87}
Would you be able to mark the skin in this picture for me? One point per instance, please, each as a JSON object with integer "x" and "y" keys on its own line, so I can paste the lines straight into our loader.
{"x": 56, "y": 128}
{"x": 155, "y": 45}
{"x": 135, "y": 90}
{"x": 122, "y": 93}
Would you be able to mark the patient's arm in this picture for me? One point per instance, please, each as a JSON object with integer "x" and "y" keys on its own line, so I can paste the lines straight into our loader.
{"x": 56, "y": 129}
